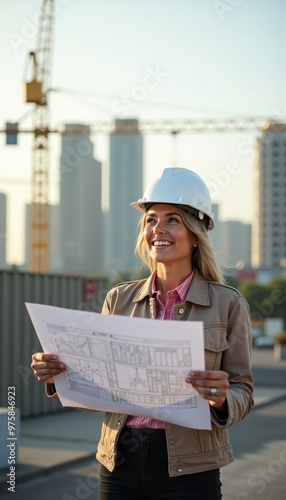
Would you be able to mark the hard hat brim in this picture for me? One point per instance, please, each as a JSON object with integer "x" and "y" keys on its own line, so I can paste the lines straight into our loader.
{"x": 144, "y": 206}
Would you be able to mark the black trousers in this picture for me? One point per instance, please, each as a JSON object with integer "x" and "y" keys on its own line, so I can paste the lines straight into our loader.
{"x": 141, "y": 472}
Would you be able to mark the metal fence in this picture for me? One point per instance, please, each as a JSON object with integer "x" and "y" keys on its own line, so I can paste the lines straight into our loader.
{"x": 18, "y": 340}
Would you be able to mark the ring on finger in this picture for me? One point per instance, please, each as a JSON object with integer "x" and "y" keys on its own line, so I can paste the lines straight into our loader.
{"x": 213, "y": 391}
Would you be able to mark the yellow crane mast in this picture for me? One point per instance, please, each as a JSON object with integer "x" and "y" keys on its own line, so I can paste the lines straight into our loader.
{"x": 36, "y": 91}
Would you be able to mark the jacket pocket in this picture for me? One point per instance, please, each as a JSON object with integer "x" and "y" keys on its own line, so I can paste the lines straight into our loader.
{"x": 214, "y": 440}
{"x": 215, "y": 345}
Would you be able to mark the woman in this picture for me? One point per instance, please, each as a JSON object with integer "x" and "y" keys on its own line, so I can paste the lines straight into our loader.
{"x": 142, "y": 457}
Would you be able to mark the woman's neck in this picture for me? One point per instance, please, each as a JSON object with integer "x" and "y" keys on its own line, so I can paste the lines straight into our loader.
{"x": 169, "y": 279}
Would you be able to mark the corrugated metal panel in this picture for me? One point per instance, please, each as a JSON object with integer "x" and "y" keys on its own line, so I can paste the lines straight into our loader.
{"x": 18, "y": 340}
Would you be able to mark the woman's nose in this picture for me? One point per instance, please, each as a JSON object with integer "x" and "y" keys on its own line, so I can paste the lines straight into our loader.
{"x": 159, "y": 228}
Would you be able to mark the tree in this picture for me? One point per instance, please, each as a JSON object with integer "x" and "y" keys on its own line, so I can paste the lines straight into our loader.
{"x": 277, "y": 297}
{"x": 256, "y": 296}
{"x": 231, "y": 281}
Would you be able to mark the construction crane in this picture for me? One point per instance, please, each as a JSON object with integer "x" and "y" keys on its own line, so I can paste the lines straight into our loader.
{"x": 36, "y": 91}
{"x": 167, "y": 126}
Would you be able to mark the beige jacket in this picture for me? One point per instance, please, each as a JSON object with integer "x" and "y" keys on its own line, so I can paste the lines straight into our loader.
{"x": 227, "y": 332}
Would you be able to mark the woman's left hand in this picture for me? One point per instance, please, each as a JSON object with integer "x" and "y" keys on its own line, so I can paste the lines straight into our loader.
{"x": 211, "y": 385}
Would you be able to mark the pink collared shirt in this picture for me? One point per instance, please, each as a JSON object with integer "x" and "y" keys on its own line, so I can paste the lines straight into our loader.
{"x": 173, "y": 298}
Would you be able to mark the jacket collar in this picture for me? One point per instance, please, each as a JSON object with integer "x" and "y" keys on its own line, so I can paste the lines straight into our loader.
{"x": 198, "y": 292}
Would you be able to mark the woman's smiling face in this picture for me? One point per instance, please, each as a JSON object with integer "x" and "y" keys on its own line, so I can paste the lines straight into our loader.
{"x": 166, "y": 236}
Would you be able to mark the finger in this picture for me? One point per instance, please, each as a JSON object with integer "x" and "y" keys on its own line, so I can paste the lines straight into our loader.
{"x": 45, "y": 360}
{"x": 208, "y": 384}
{"x": 44, "y": 356}
{"x": 217, "y": 399}
{"x": 208, "y": 374}
{"x": 46, "y": 374}
{"x": 48, "y": 370}
{"x": 206, "y": 393}
{"x": 37, "y": 365}
{"x": 208, "y": 379}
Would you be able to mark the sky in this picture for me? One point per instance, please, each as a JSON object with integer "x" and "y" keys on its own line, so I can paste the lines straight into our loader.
{"x": 153, "y": 60}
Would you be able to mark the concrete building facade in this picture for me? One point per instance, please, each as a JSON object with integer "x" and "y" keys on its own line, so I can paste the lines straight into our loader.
{"x": 269, "y": 225}
{"x": 80, "y": 210}
{"x": 235, "y": 243}
{"x": 125, "y": 186}
{"x": 231, "y": 241}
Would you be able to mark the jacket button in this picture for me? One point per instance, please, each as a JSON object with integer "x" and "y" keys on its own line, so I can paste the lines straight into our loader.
{"x": 179, "y": 469}
{"x": 181, "y": 310}
{"x": 119, "y": 423}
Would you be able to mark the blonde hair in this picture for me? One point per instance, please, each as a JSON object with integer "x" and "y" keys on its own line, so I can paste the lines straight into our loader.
{"x": 202, "y": 256}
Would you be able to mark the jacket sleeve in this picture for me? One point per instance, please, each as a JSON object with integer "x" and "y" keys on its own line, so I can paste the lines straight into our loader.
{"x": 51, "y": 391}
{"x": 236, "y": 361}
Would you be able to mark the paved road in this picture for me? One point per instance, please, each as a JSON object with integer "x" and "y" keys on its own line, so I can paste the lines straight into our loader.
{"x": 258, "y": 472}
{"x": 259, "y": 444}
{"x": 266, "y": 370}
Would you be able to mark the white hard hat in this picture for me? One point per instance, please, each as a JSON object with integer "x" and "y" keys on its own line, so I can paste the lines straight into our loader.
{"x": 182, "y": 187}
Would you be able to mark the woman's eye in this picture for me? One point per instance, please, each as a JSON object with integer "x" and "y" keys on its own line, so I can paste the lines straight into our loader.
{"x": 173, "y": 219}
{"x": 150, "y": 220}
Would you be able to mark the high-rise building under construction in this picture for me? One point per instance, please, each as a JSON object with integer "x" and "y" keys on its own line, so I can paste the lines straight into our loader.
{"x": 125, "y": 186}
{"x": 269, "y": 224}
{"x": 81, "y": 219}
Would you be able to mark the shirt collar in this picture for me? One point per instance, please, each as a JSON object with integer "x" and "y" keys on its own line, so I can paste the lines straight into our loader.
{"x": 181, "y": 289}
{"x": 198, "y": 293}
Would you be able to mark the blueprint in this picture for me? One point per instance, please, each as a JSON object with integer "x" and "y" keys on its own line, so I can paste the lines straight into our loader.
{"x": 126, "y": 365}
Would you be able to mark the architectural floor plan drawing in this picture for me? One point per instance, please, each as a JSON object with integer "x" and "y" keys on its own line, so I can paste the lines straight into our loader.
{"x": 111, "y": 368}
{"x": 119, "y": 364}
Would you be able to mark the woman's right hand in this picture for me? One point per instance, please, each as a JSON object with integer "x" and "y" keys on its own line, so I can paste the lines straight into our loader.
{"x": 46, "y": 366}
